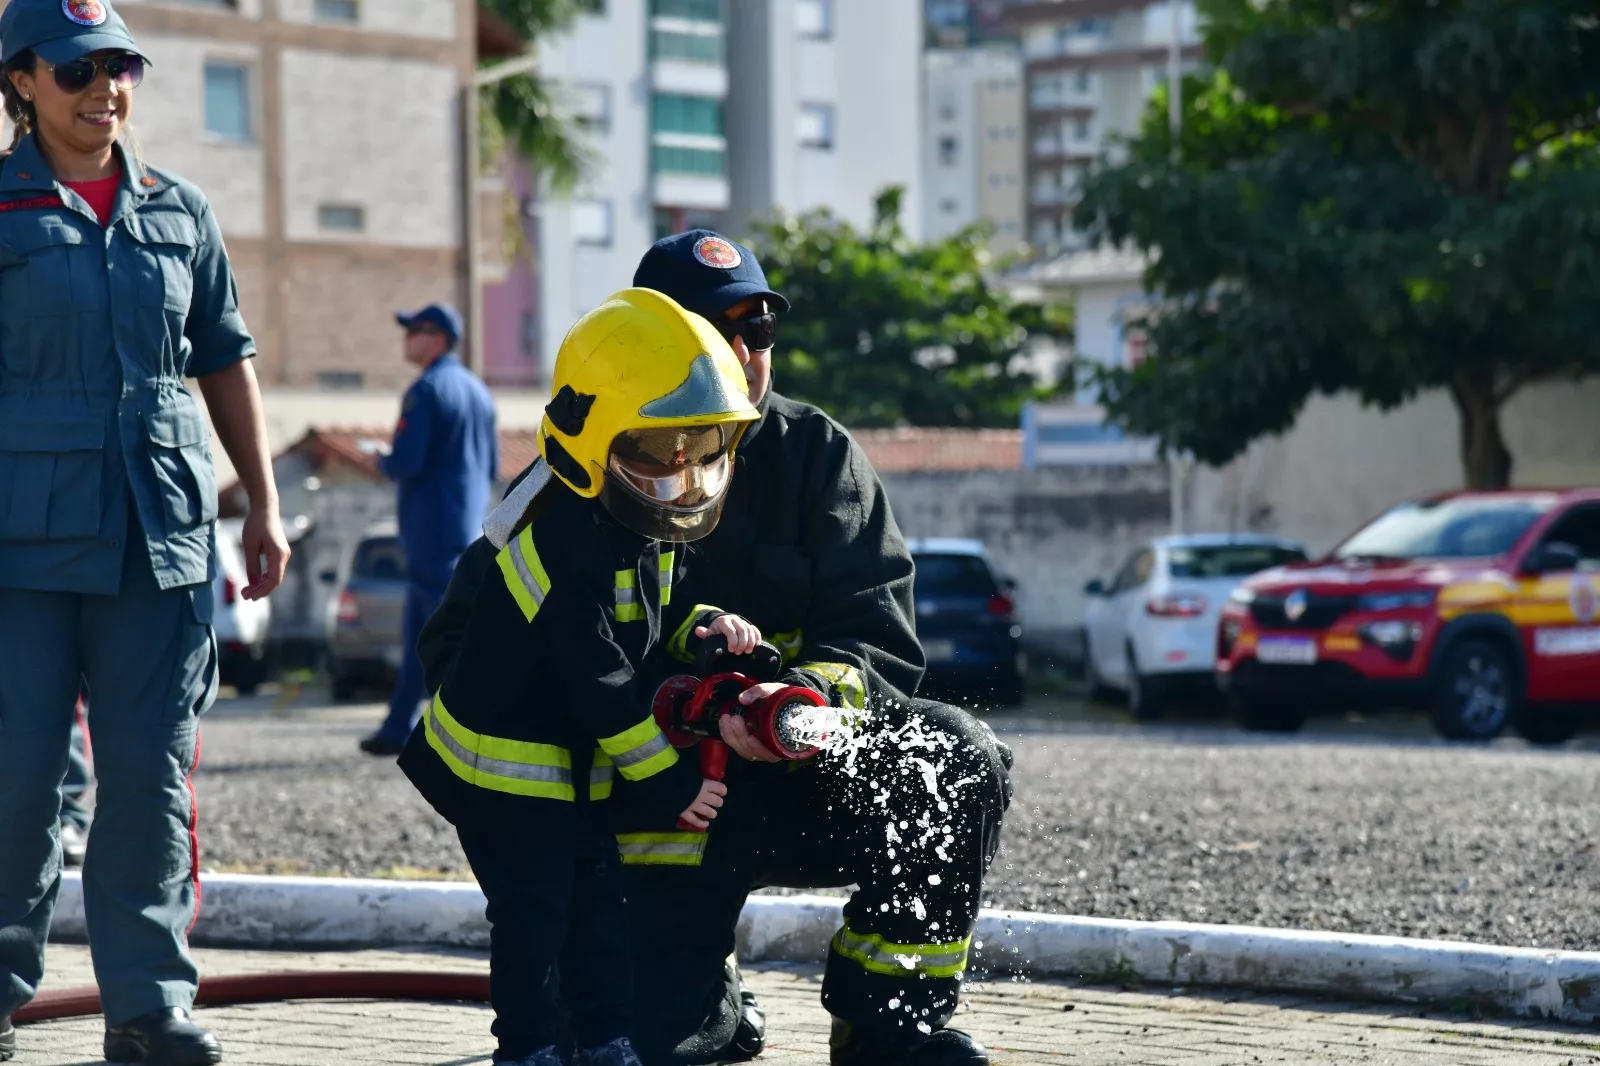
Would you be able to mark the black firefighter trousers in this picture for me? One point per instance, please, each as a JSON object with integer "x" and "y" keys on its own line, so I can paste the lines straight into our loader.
{"x": 913, "y": 818}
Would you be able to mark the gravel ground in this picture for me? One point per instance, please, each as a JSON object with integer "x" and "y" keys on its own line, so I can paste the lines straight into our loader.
{"x": 1393, "y": 834}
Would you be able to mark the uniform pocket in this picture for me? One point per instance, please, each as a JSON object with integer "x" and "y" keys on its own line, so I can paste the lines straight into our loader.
{"x": 50, "y": 478}
{"x": 184, "y": 477}
{"x": 164, "y": 259}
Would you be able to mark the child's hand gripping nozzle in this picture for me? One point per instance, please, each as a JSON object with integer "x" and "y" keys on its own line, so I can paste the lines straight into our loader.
{"x": 690, "y": 708}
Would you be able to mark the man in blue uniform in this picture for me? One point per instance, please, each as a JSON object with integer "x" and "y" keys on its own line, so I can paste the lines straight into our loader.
{"x": 445, "y": 457}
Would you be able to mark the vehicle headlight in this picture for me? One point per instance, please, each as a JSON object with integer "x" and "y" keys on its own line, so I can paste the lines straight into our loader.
{"x": 1397, "y": 601}
{"x": 1242, "y": 595}
{"x": 1397, "y": 639}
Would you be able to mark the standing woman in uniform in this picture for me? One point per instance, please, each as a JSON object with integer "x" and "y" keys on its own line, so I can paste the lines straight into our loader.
{"x": 114, "y": 287}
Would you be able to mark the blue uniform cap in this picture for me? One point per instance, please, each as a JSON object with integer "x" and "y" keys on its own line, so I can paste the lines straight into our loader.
{"x": 442, "y": 317}
{"x": 59, "y": 31}
{"x": 706, "y": 273}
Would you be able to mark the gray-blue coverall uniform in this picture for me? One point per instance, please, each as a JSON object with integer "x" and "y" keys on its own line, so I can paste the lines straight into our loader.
{"x": 107, "y": 502}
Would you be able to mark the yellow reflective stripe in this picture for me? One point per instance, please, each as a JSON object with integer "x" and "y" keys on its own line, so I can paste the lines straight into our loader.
{"x": 678, "y": 644}
{"x": 628, "y": 608}
{"x": 524, "y": 573}
{"x": 661, "y": 849}
{"x": 871, "y": 952}
{"x": 668, "y": 563}
{"x": 789, "y": 644}
{"x": 640, "y": 752}
{"x": 844, "y": 679}
{"x": 513, "y": 766}
{"x": 601, "y": 775}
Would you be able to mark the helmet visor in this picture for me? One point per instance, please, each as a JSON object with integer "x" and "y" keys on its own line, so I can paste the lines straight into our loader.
{"x": 680, "y": 468}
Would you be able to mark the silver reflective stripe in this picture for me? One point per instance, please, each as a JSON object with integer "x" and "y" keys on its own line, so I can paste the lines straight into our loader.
{"x": 525, "y": 573}
{"x": 629, "y": 595}
{"x": 558, "y": 775}
{"x": 601, "y": 775}
{"x": 878, "y": 951}
{"x": 648, "y": 750}
{"x": 660, "y": 848}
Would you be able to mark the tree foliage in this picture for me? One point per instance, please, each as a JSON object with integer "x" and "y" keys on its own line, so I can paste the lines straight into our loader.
{"x": 524, "y": 112}
{"x": 885, "y": 331}
{"x": 1368, "y": 196}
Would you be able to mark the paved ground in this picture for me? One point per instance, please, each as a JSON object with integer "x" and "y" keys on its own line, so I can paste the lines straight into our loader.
{"x": 1023, "y": 1023}
{"x": 1355, "y": 826}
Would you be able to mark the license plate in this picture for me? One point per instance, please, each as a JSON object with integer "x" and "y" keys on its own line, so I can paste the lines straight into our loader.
{"x": 939, "y": 651}
{"x": 1292, "y": 651}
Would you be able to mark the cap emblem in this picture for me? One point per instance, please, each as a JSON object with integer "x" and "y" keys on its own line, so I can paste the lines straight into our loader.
{"x": 84, "y": 12}
{"x": 712, "y": 251}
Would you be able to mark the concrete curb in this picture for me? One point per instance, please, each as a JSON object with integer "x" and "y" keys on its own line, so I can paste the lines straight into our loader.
{"x": 311, "y": 912}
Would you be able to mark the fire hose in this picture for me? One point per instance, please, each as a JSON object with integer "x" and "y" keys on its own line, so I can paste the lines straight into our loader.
{"x": 689, "y": 709}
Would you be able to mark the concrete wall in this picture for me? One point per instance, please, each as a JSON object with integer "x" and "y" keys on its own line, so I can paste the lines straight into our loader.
{"x": 1052, "y": 529}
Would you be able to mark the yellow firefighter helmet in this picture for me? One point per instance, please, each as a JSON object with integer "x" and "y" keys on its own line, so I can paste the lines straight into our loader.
{"x": 649, "y": 405}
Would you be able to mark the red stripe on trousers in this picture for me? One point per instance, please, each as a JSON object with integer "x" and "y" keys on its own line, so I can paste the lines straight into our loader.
{"x": 83, "y": 725}
{"x": 194, "y": 831}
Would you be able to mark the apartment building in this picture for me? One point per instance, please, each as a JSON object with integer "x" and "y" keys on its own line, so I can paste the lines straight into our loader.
{"x": 328, "y": 136}
{"x": 973, "y": 143}
{"x": 1090, "y": 66}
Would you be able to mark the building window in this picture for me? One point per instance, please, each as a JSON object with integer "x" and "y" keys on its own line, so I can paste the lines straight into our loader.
{"x": 591, "y": 222}
{"x": 948, "y": 149}
{"x": 338, "y": 11}
{"x": 1080, "y": 130}
{"x": 341, "y": 218}
{"x": 816, "y": 125}
{"x": 696, "y": 10}
{"x": 592, "y": 108}
{"x": 702, "y": 162}
{"x": 949, "y": 207}
{"x": 228, "y": 110}
{"x": 1081, "y": 82}
{"x": 341, "y": 379}
{"x": 704, "y": 48}
{"x": 813, "y": 18}
{"x": 676, "y": 113}
{"x": 528, "y": 334}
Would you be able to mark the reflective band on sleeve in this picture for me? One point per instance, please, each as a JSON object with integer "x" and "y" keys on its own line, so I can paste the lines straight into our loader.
{"x": 789, "y": 644}
{"x": 669, "y": 561}
{"x": 845, "y": 681}
{"x": 601, "y": 775}
{"x": 524, "y": 573}
{"x": 678, "y": 644}
{"x": 515, "y": 766}
{"x": 871, "y": 952}
{"x": 628, "y": 609}
{"x": 661, "y": 849}
{"x": 641, "y": 752}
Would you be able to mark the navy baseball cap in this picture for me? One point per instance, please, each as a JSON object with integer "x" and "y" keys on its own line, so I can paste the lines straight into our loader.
{"x": 442, "y": 317}
{"x": 705, "y": 272}
{"x": 59, "y": 31}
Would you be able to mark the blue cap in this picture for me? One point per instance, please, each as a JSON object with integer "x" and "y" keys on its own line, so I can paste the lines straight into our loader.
{"x": 705, "y": 272}
{"x": 59, "y": 31}
{"x": 442, "y": 317}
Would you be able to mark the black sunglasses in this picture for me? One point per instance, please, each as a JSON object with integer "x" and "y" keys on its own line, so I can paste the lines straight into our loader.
{"x": 760, "y": 332}
{"x": 126, "y": 71}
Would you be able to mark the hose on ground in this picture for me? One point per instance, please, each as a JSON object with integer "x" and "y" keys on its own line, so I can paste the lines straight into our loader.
{"x": 276, "y": 987}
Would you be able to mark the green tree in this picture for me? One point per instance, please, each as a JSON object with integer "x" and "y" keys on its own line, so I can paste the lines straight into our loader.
{"x": 885, "y": 331}
{"x": 1369, "y": 196}
{"x": 523, "y": 112}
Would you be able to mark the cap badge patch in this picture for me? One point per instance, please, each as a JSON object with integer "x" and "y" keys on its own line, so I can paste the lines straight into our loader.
{"x": 84, "y": 12}
{"x": 712, "y": 251}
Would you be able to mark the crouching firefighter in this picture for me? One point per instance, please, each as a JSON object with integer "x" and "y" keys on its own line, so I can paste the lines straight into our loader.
{"x": 809, "y": 551}
{"x": 541, "y": 711}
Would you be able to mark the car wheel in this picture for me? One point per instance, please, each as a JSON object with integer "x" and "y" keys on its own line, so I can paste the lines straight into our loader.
{"x": 1144, "y": 698}
{"x": 344, "y": 688}
{"x": 1099, "y": 691}
{"x": 1257, "y": 714}
{"x": 1477, "y": 691}
{"x": 1547, "y": 725}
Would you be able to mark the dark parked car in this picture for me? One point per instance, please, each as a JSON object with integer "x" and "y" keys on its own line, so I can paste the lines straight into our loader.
{"x": 365, "y": 618}
{"x": 967, "y": 622}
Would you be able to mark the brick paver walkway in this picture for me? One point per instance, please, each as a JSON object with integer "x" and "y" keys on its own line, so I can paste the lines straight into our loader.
{"x": 1023, "y": 1023}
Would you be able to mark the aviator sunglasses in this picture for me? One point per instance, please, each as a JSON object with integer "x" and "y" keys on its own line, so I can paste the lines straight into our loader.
{"x": 760, "y": 332}
{"x": 126, "y": 71}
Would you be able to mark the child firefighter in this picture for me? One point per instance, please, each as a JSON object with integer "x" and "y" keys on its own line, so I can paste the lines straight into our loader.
{"x": 541, "y": 709}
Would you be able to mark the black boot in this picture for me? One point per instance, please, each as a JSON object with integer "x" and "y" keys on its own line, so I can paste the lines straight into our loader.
{"x": 750, "y": 1037}
{"x": 162, "y": 1038}
{"x": 8, "y": 1039}
{"x": 851, "y": 1045}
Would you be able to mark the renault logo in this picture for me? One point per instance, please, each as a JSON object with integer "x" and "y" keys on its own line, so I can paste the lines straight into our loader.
{"x": 1294, "y": 608}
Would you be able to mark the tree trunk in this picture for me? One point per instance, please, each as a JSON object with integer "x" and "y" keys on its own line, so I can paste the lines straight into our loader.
{"x": 1485, "y": 460}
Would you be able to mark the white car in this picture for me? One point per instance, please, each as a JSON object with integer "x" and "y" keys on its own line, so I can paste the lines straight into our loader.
{"x": 241, "y": 624}
{"x": 1152, "y": 630}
